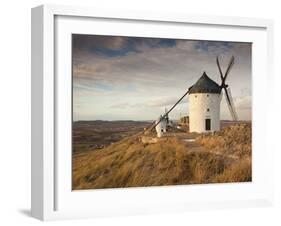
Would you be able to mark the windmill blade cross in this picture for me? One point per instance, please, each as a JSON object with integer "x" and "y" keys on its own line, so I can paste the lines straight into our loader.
{"x": 226, "y": 89}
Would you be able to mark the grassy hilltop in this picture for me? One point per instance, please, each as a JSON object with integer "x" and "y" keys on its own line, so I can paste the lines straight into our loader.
{"x": 222, "y": 157}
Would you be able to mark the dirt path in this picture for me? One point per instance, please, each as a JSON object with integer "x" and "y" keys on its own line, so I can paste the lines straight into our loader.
{"x": 190, "y": 142}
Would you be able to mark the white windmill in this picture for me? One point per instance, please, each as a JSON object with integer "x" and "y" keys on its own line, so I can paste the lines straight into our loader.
{"x": 160, "y": 126}
{"x": 204, "y": 105}
{"x": 204, "y": 102}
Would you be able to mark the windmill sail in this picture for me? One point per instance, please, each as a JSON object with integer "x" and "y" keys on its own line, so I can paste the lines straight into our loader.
{"x": 230, "y": 104}
{"x": 228, "y": 96}
{"x": 230, "y": 64}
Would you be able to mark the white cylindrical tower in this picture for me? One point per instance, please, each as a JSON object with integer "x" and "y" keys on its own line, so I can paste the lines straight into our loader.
{"x": 161, "y": 127}
{"x": 204, "y": 105}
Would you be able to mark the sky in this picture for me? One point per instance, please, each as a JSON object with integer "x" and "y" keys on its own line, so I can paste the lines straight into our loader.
{"x": 135, "y": 78}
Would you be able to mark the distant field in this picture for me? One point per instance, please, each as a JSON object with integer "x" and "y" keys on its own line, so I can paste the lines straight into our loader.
{"x": 92, "y": 135}
{"x": 122, "y": 160}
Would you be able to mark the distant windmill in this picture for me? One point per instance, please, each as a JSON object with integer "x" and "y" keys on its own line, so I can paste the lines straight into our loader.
{"x": 161, "y": 126}
{"x": 167, "y": 117}
{"x": 204, "y": 100}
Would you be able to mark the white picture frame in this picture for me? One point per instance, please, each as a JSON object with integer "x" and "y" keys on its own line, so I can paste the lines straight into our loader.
{"x": 52, "y": 198}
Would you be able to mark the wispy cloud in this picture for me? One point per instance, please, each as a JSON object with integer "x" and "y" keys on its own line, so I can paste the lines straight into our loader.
{"x": 163, "y": 102}
{"x": 243, "y": 103}
{"x": 152, "y": 73}
{"x": 123, "y": 105}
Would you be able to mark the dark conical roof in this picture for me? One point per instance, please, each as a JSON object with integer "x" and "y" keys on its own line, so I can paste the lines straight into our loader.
{"x": 205, "y": 85}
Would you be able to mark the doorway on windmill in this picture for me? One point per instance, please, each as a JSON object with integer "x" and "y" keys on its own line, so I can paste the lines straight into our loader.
{"x": 207, "y": 124}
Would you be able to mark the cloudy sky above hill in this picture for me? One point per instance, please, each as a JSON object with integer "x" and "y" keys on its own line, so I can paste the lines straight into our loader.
{"x": 129, "y": 78}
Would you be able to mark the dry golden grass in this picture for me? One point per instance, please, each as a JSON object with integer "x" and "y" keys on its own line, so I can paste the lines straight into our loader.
{"x": 234, "y": 140}
{"x": 130, "y": 163}
{"x": 237, "y": 172}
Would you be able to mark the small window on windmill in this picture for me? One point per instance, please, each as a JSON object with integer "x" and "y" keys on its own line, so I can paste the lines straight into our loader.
{"x": 208, "y": 109}
{"x": 195, "y": 96}
{"x": 207, "y": 95}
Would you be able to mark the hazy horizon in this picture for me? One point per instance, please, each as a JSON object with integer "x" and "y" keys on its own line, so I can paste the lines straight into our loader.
{"x": 129, "y": 78}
